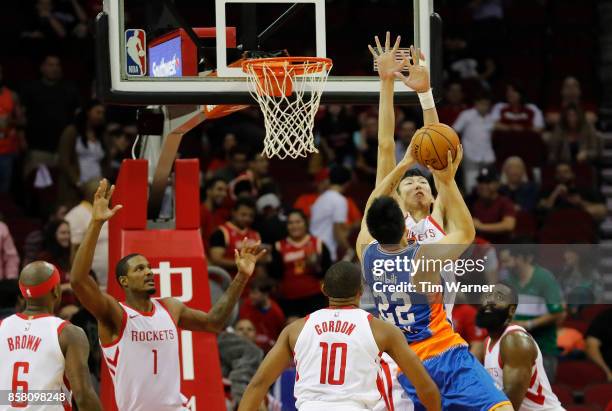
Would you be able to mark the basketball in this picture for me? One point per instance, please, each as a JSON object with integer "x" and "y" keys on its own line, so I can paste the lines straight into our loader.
{"x": 432, "y": 142}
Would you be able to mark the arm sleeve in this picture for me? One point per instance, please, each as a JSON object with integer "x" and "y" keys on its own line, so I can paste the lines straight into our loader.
{"x": 217, "y": 240}
{"x": 276, "y": 266}
{"x": 340, "y": 212}
{"x": 326, "y": 260}
{"x": 240, "y": 359}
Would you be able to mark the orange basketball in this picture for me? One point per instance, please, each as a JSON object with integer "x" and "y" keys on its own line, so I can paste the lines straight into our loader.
{"x": 431, "y": 144}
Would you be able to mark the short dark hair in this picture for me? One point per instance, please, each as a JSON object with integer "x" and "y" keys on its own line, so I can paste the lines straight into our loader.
{"x": 121, "y": 269}
{"x": 298, "y": 212}
{"x": 514, "y": 298}
{"x": 242, "y": 187}
{"x": 244, "y": 201}
{"x": 385, "y": 220}
{"x": 339, "y": 175}
{"x": 415, "y": 172}
{"x": 342, "y": 280}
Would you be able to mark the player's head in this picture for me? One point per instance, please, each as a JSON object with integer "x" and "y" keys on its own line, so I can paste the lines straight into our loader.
{"x": 343, "y": 283}
{"x": 216, "y": 190}
{"x": 133, "y": 273}
{"x": 385, "y": 221}
{"x": 39, "y": 283}
{"x": 243, "y": 212}
{"x": 415, "y": 191}
{"x": 245, "y": 328}
{"x": 497, "y": 308}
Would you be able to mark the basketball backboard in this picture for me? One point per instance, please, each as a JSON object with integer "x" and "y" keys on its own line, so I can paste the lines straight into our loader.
{"x": 187, "y": 51}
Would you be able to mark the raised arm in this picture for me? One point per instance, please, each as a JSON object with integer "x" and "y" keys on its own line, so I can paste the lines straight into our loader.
{"x": 392, "y": 341}
{"x": 216, "y": 319}
{"x": 101, "y": 305}
{"x": 387, "y": 67}
{"x": 75, "y": 346}
{"x": 418, "y": 80}
{"x": 518, "y": 354}
{"x": 277, "y": 360}
{"x": 386, "y": 188}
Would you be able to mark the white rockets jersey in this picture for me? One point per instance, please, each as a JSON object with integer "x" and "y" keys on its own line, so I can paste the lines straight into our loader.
{"x": 144, "y": 361}
{"x": 394, "y": 397}
{"x": 539, "y": 396}
{"x": 429, "y": 231}
{"x": 337, "y": 361}
{"x": 31, "y": 357}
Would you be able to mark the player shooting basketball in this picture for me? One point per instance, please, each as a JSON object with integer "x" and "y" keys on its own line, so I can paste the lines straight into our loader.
{"x": 512, "y": 357}
{"x": 336, "y": 351}
{"x": 424, "y": 215}
{"x": 139, "y": 337}
{"x": 39, "y": 351}
{"x": 463, "y": 382}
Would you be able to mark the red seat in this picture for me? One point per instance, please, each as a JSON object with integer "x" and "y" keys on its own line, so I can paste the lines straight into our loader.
{"x": 578, "y": 374}
{"x": 564, "y": 393}
{"x": 599, "y": 394}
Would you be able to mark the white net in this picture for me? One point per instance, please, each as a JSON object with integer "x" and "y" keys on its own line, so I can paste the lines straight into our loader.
{"x": 289, "y": 95}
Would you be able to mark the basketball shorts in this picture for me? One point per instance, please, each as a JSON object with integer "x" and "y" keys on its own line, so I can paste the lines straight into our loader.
{"x": 463, "y": 382}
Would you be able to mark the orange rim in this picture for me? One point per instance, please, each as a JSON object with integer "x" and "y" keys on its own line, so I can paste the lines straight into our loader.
{"x": 279, "y": 66}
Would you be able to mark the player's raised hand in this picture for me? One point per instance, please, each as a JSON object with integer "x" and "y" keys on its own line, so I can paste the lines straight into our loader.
{"x": 418, "y": 77}
{"x": 386, "y": 57}
{"x": 101, "y": 211}
{"x": 248, "y": 255}
{"x": 447, "y": 175}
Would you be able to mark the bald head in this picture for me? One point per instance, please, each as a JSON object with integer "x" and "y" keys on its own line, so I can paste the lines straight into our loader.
{"x": 36, "y": 273}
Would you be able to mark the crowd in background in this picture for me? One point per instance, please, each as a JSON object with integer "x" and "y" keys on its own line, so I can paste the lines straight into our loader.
{"x": 530, "y": 162}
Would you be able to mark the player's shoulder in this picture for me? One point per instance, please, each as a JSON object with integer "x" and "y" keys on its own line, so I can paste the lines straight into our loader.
{"x": 517, "y": 343}
{"x": 70, "y": 334}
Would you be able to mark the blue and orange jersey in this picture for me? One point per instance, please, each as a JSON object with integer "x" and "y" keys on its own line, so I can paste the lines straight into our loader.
{"x": 421, "y": 316}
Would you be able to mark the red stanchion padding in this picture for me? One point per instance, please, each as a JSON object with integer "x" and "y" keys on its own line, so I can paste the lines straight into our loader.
{"x": 187, "y": 176}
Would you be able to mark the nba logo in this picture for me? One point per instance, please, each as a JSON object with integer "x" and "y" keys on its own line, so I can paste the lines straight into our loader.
{"x": 135, "y": 52}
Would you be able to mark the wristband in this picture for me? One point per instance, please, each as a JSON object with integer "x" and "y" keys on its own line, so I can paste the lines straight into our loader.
{"x": 427, "y": 100}
{"x": 34, "y": 291}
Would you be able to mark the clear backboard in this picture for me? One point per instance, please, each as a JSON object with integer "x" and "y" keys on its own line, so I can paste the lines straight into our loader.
{"x": 169, "y": 52}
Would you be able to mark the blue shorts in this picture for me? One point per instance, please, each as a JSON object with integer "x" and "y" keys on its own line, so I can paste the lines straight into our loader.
{"x": 463, "y": 382}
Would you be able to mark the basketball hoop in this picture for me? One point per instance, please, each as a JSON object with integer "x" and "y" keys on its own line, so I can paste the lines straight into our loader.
{"x": 288, "y": 90}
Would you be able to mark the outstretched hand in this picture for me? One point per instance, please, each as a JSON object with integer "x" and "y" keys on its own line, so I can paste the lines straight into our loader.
{"x": 101, "y": 211}
{"x": 386, "y": 57}
{"x": 248, "y": 255}
{"x": 418, "y": 77}
{"x": 447, "y": 175}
